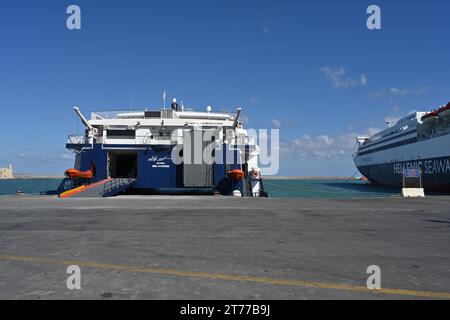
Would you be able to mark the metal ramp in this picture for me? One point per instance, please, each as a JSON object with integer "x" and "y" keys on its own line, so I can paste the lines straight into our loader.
{"x": 113, "y": 187}
{"x": 101, "y": 189}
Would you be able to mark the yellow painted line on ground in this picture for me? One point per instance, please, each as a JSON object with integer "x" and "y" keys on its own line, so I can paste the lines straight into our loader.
{"x": 229, "y": 277}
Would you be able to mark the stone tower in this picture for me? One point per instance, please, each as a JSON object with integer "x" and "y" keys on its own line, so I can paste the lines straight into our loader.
{"x": 7, "y": 173}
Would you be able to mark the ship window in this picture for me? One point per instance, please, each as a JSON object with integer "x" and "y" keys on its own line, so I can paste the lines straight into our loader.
{"x": 152, "y": 114}
{"x": 370, "y": 144}
{"x": 121, "y": 134}
{"x": 390, "y": 146}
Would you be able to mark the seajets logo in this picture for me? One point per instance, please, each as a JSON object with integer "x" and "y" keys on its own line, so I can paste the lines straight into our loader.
{"x": 427, "y": 166}
{"x": 158, "y": 159}
{"x": 159, "y": 162}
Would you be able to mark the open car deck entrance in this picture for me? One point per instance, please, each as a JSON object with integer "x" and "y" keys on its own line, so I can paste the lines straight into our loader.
{"x": 122, "y": 165}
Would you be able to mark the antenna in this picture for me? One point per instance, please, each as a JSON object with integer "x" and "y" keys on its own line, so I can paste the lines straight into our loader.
{"x": 164, "y": 99}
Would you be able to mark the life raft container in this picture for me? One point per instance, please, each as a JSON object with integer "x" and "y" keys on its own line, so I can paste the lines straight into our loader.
{"x": 77, "y": 174}
{"x": 236, "y": 175}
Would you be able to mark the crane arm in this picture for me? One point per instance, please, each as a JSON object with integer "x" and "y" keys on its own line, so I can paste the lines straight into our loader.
{"x": 83, "y": 118}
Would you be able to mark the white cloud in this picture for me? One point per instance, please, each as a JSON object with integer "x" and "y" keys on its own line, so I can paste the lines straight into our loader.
{"x": 277, "y": 123}
{"x": 67, "y": 156}
{"x": 255, "y": 101}
{"x": 319, "y": 147}
{"x": 44, "y": 159}
{"x": 407, "y": 92}
{"x": 372, "y": 131}
{"x": 339, "y": 81}
{"x": 323, "y": 147}
{"x": 325, "y": 139}
{"x": 364, "y": 80}
{"x": 265, "y": 29}
{"x": 397, "y": 92}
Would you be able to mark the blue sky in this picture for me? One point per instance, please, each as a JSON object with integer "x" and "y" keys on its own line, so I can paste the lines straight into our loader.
{"x": 310, "y": 68}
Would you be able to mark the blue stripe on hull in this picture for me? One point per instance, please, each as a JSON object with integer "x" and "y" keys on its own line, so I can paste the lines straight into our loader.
{"x": 436, "y": 173}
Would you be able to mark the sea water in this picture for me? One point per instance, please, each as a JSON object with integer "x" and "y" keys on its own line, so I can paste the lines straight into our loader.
{"x": 28, "y": 186}
{"x": 337, "y": 189}
{"x": 276, "y": 188}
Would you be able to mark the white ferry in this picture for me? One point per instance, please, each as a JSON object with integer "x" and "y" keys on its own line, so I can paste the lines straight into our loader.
{"x": 420, "y": 140}
{"x": 165, "y": 151}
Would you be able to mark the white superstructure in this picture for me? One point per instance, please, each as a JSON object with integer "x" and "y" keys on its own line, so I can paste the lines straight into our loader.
{"x": 420, "y": 140}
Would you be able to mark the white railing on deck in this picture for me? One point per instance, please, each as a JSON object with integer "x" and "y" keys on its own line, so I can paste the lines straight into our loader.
{"x": 167, "y": 113}
{"x": 76, "y": 140}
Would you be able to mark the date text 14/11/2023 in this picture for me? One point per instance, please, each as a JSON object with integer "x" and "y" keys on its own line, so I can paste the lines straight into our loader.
{"x": 228, "y": 309}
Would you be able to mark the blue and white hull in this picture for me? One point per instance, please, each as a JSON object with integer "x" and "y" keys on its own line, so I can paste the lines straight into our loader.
{"x": 384, "y": 165}
{"x": 153, "y": 169}
{"x": 163, "y": 151}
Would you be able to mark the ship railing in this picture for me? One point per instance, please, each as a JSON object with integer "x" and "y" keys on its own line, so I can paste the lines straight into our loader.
{"x": 81, "y": 140}
{"x": 135, "y": 114}
{"x": 165, "y": 113}
{"x": 72, "y": 139}
{"x": 118, "y": 185}
{"x": 112, "y": 114}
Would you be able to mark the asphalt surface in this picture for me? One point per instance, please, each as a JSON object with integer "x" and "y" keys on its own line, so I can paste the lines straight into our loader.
{"x": 224, "y": 248}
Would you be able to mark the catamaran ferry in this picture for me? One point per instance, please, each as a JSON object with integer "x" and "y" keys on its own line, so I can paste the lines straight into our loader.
{"x": 165, "y": 151}
{"x": 420, "y": 140}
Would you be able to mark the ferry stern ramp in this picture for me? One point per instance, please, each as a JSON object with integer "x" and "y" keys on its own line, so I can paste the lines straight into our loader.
{"x": 103, "y": 189}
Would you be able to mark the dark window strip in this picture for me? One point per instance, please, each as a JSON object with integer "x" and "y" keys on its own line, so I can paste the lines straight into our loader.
{"x": 390, "y": 146}
{"x": 389, "y": 139}
{"x": 121, "y": 133}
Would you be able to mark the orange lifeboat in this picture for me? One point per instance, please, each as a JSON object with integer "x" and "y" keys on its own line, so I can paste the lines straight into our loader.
{"x": 430, "y": 118}
{"x": 236, "y": 175}
{"x": 444, "y": 112}
{"x": 77, "y": 174}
